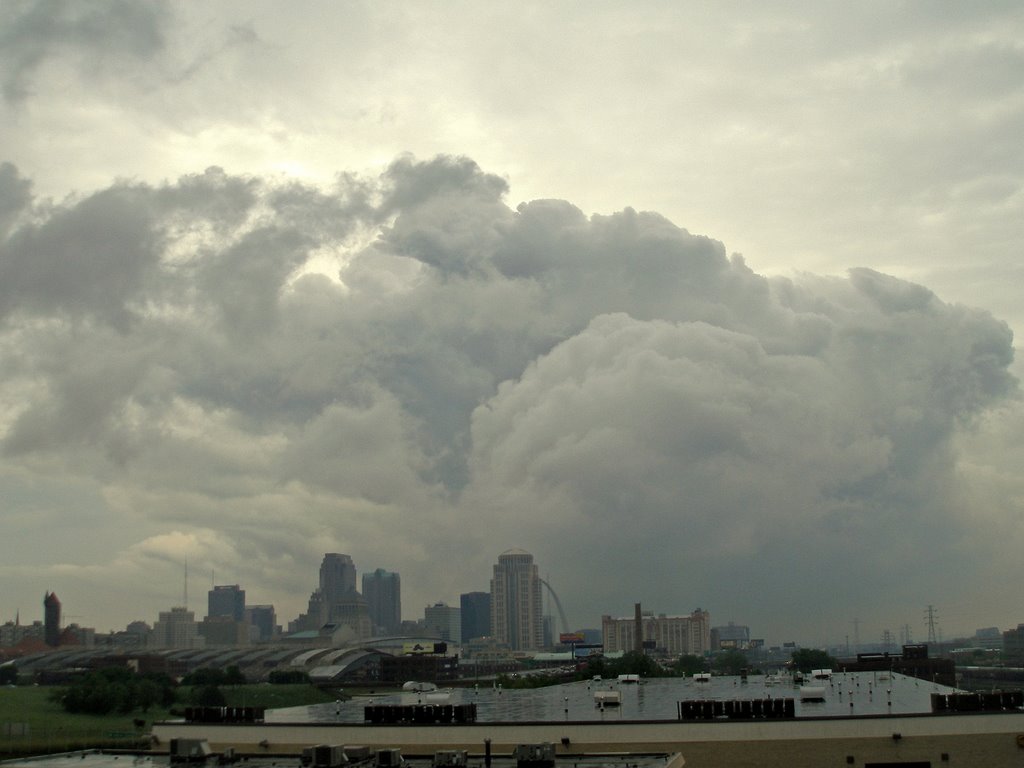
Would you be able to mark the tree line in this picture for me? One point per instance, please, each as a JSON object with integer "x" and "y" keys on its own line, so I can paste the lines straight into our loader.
{"x": 118, "y": 689}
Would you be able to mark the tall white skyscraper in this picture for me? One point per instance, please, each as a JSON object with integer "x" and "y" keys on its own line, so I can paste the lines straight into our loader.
{"x": 516, "y": 602}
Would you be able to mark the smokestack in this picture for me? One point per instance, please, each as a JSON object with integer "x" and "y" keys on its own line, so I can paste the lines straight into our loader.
{"x": 638, "y": 628}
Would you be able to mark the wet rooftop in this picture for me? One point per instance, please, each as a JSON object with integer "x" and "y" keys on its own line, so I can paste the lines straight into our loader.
{"x": 851, "y": 693}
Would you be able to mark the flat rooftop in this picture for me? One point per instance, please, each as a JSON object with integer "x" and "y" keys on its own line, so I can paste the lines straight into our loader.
{"x": 869, "y": 693}
{"x": 90, "y": 759}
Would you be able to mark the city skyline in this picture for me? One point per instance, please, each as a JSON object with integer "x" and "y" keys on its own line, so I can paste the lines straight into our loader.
{"x": 698, "y": 305}
{"x": 518, "y": 572}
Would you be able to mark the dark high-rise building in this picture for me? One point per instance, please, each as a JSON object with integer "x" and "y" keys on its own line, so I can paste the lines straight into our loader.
{"x": 336, "y": 600}
{"x": 337, "y": 577}
{"x": 476, "y": 615}
{"x": 383, "y": 592}
{"x": 264, "y": 619}
{"x": 51, "y": 619}
{"x": 227, "y": 600}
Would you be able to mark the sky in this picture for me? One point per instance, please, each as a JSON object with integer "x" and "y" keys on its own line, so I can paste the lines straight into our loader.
{"x": 703, "y": 304}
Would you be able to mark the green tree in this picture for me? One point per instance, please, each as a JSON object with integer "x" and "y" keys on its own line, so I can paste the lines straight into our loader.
{"x": 93, "y": 693}
{"x": 287, "y": 677}
{"x": 635, "y": 663}
{"x": 233, "y": 676}
{"x": 528, "y": 681}
{"x": 8, "y": 673}
{"x": 731, "y": 662}
{"x": 204, "y": 676}
{"x": 807, "y": 659}
{"x": 209, "y": 696}
{"x": 114, "y": 689}
{"x": 595, "y": 666}
{"x": 148, "y": 694}
{"x": 689, "y": 664}
{"x": 166, "y": 686}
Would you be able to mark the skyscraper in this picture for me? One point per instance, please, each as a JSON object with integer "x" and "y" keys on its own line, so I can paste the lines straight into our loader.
{"x": 516, "y": 603}
{"x": 176, "y": 628}
{"x": 227, "y": 600}
{"x": 444, "y": 620}
{"x": 383, "y": 592}
{"x": 476, "y": 615}
{"x": 336, "y": 600}
{"x": 263, "y": 619}
{"x": 337, "y": 577}
{"x": 51, "y": 619}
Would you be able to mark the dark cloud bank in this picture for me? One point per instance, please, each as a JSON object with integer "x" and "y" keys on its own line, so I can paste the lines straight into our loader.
{"x": 649, "y": 416}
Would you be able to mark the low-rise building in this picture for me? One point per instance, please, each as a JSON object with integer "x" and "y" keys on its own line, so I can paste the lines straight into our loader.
{"x": 669, "y": 635}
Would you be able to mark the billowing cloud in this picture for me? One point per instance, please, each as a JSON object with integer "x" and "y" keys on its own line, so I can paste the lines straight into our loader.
{"x": 251, "y": 372}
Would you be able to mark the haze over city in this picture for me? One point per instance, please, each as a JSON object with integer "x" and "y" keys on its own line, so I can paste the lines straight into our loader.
{"x": 703, "y": 306}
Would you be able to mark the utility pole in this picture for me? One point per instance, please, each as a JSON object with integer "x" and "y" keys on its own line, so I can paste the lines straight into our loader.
{"x": 856, "y": 636}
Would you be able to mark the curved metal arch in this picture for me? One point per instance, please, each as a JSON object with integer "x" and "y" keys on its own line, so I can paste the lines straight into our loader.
{"x": 558, "y": 605}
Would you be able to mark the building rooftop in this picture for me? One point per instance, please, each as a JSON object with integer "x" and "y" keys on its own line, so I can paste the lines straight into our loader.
{"x": 869, "y": 693}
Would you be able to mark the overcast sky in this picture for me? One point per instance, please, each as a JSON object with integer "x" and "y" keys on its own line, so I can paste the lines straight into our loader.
{"x": 703, "y": 304}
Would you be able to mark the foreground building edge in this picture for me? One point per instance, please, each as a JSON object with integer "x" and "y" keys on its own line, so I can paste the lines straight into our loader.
{"x": 995, "y": 739}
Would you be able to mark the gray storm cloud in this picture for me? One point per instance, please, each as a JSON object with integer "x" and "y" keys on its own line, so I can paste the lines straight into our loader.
{"x": 97, "y": 35}
{"x": 408, "y": 369}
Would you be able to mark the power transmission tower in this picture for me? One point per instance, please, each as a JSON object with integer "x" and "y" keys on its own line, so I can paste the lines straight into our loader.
{"x": 856, "y": 635}
{"x": 905, "y": 636}
{"x": 887, "y": 640}
{"x": 930, "y": 615}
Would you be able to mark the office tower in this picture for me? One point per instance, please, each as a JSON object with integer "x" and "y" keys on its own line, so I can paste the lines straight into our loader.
{"x": 731, "y": 636}
{"x": 515, "y": 602}
{"x": 383, "y": 592}
{"x": 263, "y": 619}
{"x": 337, "y": 578}
{"x": 51, "y": 619}
{"x": 176, "y": 628}
{"x": 443, "y": 620}
{"x": 227, "y": 600}
{"x": 340, "y": 603}
{"x": 476, "y": 615}
{"x": 336, "y": 602}
{"x": 225, "y": 631}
